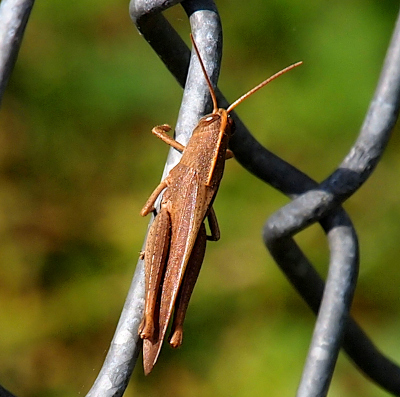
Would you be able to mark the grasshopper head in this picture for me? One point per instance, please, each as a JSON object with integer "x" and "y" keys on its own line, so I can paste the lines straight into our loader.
{"x": 227, "y": 122}
{"x": 217, "y": 120}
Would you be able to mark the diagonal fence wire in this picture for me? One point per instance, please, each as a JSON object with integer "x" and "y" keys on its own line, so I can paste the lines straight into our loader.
{"x": 311, "y": 202}
{"x": 14, "y": 15}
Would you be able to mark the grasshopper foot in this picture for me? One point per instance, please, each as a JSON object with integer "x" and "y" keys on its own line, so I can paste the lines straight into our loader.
{"x": 229, "y": 154}
{"x": 146, "y": 328}
{"x": 176, "y": 337}
{"x": 161, "y": 129}
{"x": 146, "y": 210}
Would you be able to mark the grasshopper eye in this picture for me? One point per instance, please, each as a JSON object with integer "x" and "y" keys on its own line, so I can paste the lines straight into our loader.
{"x": 210, "y": 118}
{"x": 206, "y": 121}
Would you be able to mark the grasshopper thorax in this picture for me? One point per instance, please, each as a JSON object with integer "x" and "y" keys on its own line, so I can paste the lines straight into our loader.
{"x": 220, "y": 120}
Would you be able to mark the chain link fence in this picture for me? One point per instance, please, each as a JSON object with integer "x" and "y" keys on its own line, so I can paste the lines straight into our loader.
{"x": 310, "y": 202}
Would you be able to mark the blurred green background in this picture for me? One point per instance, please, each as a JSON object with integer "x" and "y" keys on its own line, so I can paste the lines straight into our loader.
{"x": 78, "y": 161}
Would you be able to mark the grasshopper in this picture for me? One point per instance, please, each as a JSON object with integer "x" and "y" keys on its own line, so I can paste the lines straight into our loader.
{"x": 176, "y": 241}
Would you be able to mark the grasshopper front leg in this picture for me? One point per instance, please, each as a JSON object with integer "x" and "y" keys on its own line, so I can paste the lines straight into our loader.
{"x": 160, "y": 131}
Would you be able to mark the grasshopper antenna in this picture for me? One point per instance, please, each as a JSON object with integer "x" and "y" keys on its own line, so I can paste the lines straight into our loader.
{"x": 261, "y": 85}
{"x": 212, "y": 92}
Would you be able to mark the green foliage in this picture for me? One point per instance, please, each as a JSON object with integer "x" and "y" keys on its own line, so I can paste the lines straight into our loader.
{"x": 77, "y": 162}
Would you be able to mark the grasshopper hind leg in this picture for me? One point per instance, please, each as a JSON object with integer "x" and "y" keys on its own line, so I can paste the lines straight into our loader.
{"x": 155, "y": 256}
{"x": 188, "y": 283}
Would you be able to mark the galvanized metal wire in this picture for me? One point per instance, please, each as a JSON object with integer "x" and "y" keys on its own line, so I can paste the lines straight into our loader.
{"x": 313, "y": 205}
{"x": 14, "y": 15}
{"x": 311, "y": 202}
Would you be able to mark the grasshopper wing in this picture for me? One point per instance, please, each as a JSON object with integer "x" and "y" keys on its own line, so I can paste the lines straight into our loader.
{"x": 186, "y": 221}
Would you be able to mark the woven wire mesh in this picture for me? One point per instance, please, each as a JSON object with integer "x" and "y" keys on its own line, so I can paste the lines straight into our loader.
{"x": 311, "y": 202}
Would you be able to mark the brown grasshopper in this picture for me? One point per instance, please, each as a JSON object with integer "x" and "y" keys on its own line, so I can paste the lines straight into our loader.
{"x": 177, "y": 238}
